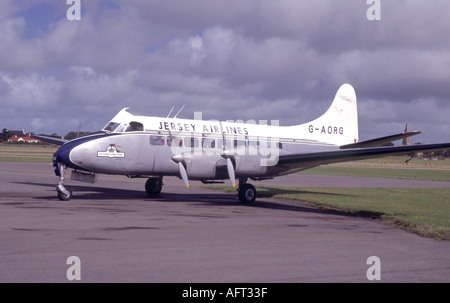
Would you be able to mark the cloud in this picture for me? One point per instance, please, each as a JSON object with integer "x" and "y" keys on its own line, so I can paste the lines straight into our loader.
{"x": 91, "y": 88}
{"x": 29, "y": 91}
{"x": 280, "y": 60}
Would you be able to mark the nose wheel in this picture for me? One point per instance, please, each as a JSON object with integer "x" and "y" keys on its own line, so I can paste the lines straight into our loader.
{"x": 64, "y": 193}
{"x": 65, "y": 196}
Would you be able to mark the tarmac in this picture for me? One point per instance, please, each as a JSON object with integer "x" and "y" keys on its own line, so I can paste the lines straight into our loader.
{"x": 118, "y": 234}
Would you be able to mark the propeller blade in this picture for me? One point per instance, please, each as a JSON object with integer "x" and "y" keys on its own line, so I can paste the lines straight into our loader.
{"x": 231, "y": 172}
{"x": 183, "y": 174}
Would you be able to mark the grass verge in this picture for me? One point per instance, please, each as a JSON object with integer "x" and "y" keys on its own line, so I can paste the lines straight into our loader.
{"x": 26, "y": 153}
{"x": 425, "y": 212}
{"x": 374, "y": 172}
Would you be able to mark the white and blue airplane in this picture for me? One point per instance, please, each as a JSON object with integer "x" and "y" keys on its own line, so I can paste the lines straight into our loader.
{"x": 210, "y": 151}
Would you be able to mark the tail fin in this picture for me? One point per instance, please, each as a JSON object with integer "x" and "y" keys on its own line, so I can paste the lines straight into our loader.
{"x": 339, "y": 125}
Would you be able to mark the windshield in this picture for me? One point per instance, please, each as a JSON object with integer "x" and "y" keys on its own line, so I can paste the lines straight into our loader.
{"x": 111, "y": 126}
{"x": 121, "y": 127}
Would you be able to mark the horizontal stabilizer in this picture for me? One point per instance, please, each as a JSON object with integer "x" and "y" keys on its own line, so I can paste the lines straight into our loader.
{"x": 50, "y": 139}
{"x": 380, "y": 141}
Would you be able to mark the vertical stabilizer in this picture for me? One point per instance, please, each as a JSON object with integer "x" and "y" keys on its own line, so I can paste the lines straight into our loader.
{"x": 406, "y": 141}
{"x": 339, "y": 125}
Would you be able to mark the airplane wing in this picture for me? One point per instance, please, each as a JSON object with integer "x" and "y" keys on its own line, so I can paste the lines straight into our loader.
{"x": 328, "y": 157}
{"x": 50, "y": 139}
{"x": 380, "y": 141}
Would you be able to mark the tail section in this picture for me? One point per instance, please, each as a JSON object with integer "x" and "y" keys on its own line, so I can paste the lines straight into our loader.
{"x": 339, "y": 125}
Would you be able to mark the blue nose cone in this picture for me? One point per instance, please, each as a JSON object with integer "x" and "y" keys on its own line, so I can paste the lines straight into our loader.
{"x": 62, "y": 155}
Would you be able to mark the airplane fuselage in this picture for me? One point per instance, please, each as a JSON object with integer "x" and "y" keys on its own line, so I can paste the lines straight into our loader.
{"x": 149, "y": 150}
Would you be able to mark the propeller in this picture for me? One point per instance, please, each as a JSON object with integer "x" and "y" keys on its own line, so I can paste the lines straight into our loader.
{"x": 183, "y": 174}
{"x": 182, "y": 170}
{"x": 178, "y": 158}
{"x": 231, "y": 172}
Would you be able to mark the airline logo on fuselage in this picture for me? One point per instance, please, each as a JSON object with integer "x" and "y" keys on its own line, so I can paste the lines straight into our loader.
{"x": 111, "y": 152}
{"x": 207, "y": 128}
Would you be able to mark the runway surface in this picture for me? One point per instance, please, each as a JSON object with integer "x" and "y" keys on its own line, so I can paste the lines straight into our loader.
{"x": 196, "y": 235}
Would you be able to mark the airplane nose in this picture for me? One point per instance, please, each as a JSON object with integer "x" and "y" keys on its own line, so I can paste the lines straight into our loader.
{"x": 63, "y": 155}
{"x": 73, "y": 153}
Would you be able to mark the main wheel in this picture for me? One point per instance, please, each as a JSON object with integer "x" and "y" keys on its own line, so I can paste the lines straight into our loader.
{"x": 153, "y": 186}
{"x": 64, "y": 197}
{"x": 247, "y": 194}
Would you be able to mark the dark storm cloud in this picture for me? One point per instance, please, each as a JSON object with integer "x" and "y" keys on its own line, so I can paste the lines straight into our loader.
{"x": 244, "y": 60}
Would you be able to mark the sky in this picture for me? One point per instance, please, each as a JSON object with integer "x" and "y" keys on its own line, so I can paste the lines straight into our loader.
{"x": 243, "y": 60}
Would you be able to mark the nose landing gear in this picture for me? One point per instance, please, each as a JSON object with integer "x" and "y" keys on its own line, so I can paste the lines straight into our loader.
{"x": 64, "y": 193}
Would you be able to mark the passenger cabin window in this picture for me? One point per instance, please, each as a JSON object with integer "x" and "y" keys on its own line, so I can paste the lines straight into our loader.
{"x": 156, "y": 140}
{"x": 229, "y": 144}
{"x": 177, "y": 141}
{"x": 208, "y": 142}
{"x": 239, "y": 143}
{"x": 190, "y": 142}
{"x": 253, "y": 143}
{"x": 135, "y": 127}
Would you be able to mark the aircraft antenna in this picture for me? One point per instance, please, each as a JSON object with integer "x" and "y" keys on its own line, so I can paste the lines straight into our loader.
{"x": 179, "y": 111}
{"x": 78, "y": 132}
{"x": 170, "y": 111}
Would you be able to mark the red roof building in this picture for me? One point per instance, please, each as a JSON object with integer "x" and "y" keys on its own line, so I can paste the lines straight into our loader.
{"x": 23, "y": 139}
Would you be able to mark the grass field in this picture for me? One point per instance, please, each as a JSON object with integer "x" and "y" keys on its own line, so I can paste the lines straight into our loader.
{"x": 26, "y": 153}
{"x": 397, "y": 162}
{"x": 388, "y": 167}
{"x": 375, "y": 172}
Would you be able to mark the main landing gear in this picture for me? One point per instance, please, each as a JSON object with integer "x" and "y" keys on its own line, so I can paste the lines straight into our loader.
{"x": 246, "y": 192}
{"x": 153, "y": 186}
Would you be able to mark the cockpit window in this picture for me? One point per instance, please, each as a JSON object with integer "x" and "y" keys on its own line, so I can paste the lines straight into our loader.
{"x": 111, "y": 126}
{"x": 121, "y": 128}
{"x": 135, "y": 127}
